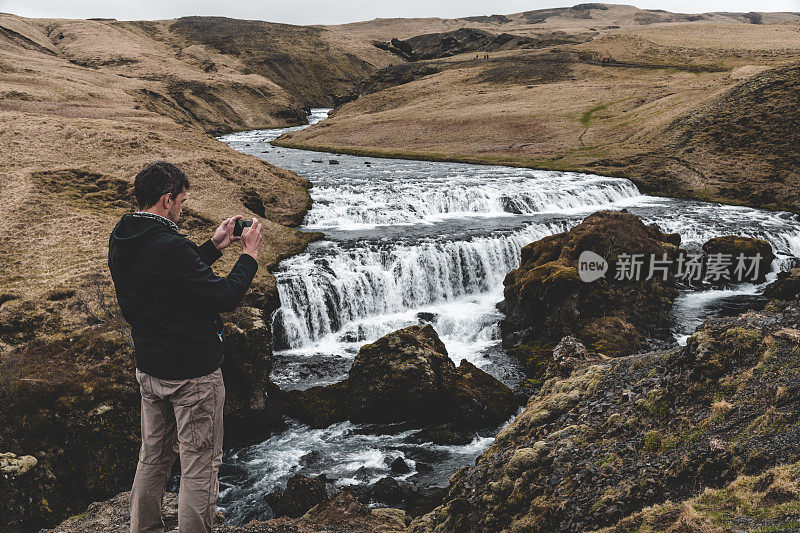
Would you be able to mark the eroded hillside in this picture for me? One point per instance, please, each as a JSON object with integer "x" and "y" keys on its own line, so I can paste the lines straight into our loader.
{"x": 684, "y": 105}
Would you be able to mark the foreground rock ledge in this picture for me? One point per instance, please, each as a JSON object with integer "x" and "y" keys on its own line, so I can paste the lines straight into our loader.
{"x": 339, "y": 514}
{"x": 630, "y": 432}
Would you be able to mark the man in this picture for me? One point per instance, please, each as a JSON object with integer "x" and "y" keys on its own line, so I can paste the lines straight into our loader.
{"x": 172, "y": 300}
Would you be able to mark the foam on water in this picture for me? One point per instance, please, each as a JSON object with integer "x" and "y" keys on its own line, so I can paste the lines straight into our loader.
{"x": 347, "y": 453}
{"x": 393, "y": 196}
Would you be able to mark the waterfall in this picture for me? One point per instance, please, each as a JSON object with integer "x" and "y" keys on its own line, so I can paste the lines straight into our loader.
{"x": 322, "y": 292}
{"x": 392, "y": 197}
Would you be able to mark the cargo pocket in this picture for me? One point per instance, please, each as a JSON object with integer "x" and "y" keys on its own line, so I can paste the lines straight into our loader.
{"x": 195, "y": 414}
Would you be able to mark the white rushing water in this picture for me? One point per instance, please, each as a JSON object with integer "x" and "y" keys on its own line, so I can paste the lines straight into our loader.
{"x": 405, "y": 197}
{"x": 322, "y": 292}
{"x": 412, "y": 242}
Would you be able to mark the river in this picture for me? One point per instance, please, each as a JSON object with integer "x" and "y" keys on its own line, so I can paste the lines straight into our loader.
{"x": 412, "y": 242}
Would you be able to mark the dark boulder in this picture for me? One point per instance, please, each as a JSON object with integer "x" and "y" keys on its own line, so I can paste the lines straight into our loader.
{"x": 387, "y": 490}
{"x": 404, "y": 375}
{"x": 249, "y": 407}
{"x": 413, "y": 499}
{"x": 408, "y": 376}
{"x": 786, "y": 287}
{"x": 546, "y": 299}
{"x": 399, "y": 466}
{"x": 300, "y": 495}
{"x": 318, "y": 406}
{"x": 732, "y": 246}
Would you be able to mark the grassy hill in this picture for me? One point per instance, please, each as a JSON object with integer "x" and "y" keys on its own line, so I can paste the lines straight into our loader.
{"x": 87, "y": 103}
{"x": 656, "y": 113}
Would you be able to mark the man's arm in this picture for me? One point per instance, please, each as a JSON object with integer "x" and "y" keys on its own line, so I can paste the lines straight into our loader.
{"x": 195, "y": 278}
{"x": 208, "y": 252}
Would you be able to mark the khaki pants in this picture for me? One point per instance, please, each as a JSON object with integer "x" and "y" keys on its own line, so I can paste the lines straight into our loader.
{"x": 179, "y": 416}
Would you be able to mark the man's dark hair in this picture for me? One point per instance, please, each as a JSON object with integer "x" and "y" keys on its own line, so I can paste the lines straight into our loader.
{"x": 157, "y": 179}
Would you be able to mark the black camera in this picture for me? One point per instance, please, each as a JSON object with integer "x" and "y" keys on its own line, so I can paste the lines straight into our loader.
{"x": 239, "y": 225}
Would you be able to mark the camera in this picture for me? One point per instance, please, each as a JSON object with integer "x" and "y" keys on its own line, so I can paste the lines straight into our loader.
{"x": 239, "y": 225}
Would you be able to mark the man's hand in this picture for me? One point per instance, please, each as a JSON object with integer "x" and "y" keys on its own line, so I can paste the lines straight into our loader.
{"x": 224, "y": 234}
{"x": 251, "y": 239}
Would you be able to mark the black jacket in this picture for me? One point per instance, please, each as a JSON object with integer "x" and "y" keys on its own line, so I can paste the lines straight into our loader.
{"x": 171, "y": 297}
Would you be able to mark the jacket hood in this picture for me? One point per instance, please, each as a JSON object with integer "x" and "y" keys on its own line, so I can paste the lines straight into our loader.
{"x": 129, "y": 235}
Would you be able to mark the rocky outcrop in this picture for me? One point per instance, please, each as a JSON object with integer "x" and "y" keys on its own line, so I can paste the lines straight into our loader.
{"x": 26, "y": 482}
{"x": 617, "y": 436}
{"x": 299, "y": 59}
{"x": 250, "y": 412}
{"x": 407, "y": 376}
{"x": 319, "y": 406}
{"x": 731, "y": 247}
{"x": 300, "y": 495}
{"x": 414, "y": 499}
{"x": 390, "y": 76}
{"x": 340, "y": 513}
{"x": 460, "y": 41}
{"x": 786, "y": 287}
{"x": 71, "y": 407}
{"x": 763, "y": 502}
{"x": 545, "y": 298}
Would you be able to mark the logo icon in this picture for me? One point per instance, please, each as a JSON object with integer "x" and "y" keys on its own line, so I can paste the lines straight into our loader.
{"x": 591, "y": 266}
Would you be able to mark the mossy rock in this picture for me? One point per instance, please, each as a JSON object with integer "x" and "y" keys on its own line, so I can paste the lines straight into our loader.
{"x": 612, "y": 336}
{"x": 545, "y": 299}
{"x": 749, "y": 247}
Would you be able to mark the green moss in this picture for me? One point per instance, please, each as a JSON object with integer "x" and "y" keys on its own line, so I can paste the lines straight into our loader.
{"x": 611, "y": 336}
{"x": 609, "y": 461}
{"x": 669, "y": 442}
{"x": 655, "y": 403}
{"x": 586, "y": 117}
{"x": 77, "y": 516}
{"x": 560, "y": 274}
{"x": 652, "y": 441}
{"x": 44, "y": 506}
{"x": 741, "y": 333}
{"x": 536, "y": 357}
{"x": 770, "y": 422}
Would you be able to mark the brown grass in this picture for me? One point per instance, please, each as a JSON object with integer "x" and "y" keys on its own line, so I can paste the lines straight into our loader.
{"x": 87, "y": 104}
{"x": 534, "y": 108}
